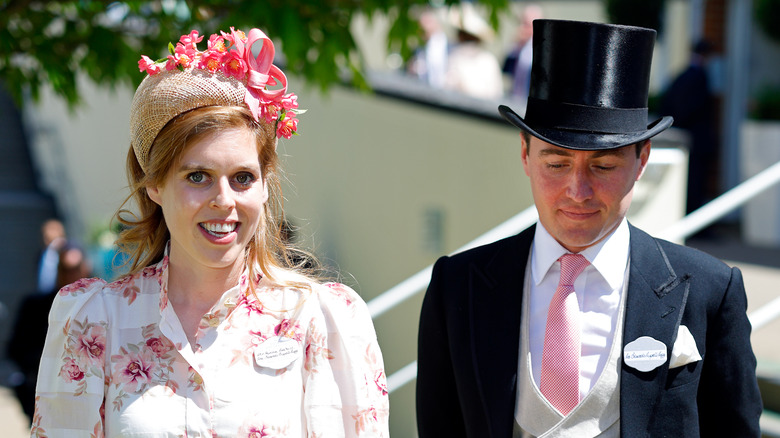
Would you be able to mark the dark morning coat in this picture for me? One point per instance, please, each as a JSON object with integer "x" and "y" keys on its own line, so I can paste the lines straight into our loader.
{"x": 469, "y": 341}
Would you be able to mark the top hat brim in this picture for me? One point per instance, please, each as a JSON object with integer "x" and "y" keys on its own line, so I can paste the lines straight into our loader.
{"x": 585, "y": 140}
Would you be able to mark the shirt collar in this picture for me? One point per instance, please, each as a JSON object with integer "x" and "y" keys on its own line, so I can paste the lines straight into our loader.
{"x": 602, "y": 256}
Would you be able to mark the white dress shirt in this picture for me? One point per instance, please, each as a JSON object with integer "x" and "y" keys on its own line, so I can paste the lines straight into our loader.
{"x": 598, "y": 291}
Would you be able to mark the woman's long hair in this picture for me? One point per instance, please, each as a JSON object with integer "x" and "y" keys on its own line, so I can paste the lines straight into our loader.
{"x": 145, "y": 234}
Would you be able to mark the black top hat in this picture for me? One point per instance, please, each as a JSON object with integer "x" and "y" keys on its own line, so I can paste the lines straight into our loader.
{"x": 589, "y": 85}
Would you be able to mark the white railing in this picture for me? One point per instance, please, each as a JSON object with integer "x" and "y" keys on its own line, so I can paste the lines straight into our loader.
{"x": 723, "y": 204}
{"x": 417, "y": 282}
{"x": 687, "y": 226}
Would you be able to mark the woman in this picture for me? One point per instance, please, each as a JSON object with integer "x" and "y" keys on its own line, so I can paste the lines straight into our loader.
{"x": 214, "y": 332}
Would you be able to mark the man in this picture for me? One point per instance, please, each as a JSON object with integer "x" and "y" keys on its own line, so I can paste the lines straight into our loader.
{"x": 517, "y": 64}
{"x": 584, "y": 325}
{"x": 691, "y": 101}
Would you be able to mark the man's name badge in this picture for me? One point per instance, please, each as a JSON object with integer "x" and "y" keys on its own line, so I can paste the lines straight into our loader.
{"x": 277, "y": 352}
{"x": 644, "y": 354}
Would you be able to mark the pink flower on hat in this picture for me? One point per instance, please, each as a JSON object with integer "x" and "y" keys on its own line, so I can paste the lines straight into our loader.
{"x": 211, "y": 61}
{"x": 216, "y": 43}
{"x": 234, "y": 65}
{"x": 183, "y": 56}
{"x": 235, "y": 36}
{"x": 148, "y": 65}
{"x": 191, "y": 40}
{"x": 270, "y": 111}
{"x": 231, "y": 55}
{"x": 287, "y": 127}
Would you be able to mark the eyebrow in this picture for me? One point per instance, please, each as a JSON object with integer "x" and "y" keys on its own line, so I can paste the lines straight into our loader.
{"x": 190, "y": 166}
{"x": 193, "y": 167}
{"x": 567, "y": 153}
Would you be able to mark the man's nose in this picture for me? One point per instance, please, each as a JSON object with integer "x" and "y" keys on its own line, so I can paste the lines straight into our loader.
{"x": 580, "y": 187}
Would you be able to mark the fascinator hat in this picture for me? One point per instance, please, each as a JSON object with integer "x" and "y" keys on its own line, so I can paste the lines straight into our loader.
{"x": 589, "y": 86}
{"x": 227, "y": 73}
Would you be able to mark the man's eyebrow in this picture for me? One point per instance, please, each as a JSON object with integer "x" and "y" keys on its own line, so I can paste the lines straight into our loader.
{"x": 567, "y": 153}
{"x": 555, "y": 151}
{"x": 608, "y": 152}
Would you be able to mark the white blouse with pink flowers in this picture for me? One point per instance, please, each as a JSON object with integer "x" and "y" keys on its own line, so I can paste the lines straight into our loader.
{"x": 281, "y": 362}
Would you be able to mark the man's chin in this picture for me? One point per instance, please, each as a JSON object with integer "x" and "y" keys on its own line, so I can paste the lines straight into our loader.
{"x": 577, "y": 242}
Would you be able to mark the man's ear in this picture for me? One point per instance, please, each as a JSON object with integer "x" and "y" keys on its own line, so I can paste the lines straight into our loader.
{"x": 154, "y": 194}
{"x": 524, "y": 145}
{"x": 644, "y": 157}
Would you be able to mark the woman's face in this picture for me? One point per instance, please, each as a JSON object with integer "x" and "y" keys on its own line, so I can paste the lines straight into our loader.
{"x": 212, "y": 200}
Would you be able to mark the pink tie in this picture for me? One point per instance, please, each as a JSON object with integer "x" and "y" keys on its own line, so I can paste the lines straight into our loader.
{"x": 561, "y": 357}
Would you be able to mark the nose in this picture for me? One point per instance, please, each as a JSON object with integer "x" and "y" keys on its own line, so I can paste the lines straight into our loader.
{"x": 579, "y": 187}
{"x": 224, "y": 197}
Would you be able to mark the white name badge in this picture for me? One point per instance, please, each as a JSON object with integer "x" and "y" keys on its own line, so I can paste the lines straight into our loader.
{"x": 644, "y": 354}
{"x": 277, "y": 352}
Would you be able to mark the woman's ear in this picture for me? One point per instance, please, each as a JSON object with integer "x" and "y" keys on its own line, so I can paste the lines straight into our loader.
{"x": 265, "y": 190}
{"x": 154, "y": 194}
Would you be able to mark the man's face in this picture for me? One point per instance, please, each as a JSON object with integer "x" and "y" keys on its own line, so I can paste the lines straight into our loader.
{"x": 581, "y": 196}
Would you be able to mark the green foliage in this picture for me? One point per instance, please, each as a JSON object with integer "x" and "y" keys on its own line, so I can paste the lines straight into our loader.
{"x": 767, "y": 104}
{"x": 50, "y": 41}
{"x": 767, "y": 13}
{"x": 644, "y": 13}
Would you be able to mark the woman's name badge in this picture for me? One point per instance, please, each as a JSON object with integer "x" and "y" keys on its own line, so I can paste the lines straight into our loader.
{"x": 645, "y": 354}
{"x": 277, "y": 352}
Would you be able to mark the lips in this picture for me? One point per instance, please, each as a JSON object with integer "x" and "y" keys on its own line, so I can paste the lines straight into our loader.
{"x": 575, "y": 214}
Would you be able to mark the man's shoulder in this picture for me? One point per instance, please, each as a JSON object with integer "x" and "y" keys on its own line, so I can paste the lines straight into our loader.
{"x": 680, "y": 256}
{"x": 511, "y": 246}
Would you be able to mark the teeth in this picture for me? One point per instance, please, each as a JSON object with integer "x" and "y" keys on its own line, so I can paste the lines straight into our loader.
{"x": 219, "y": 228}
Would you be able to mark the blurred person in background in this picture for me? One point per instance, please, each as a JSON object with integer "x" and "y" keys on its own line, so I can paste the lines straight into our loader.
{"x": 215, "y": 331}
{"x": 517, "y": 64}
{"x": 54, "y": 238}
{"x": 429, "y": 63}
{"x": 29, "y": 333}
{"x": 689, "y": 99}
{"x": 471, "y": 68}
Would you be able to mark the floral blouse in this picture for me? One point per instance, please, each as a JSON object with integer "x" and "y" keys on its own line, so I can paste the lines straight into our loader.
{"x": 281, "y": 362}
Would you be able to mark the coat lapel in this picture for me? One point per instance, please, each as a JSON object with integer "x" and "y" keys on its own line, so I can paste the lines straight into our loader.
{"x": 495, "y": 294}
{"x": 655, "y": 303}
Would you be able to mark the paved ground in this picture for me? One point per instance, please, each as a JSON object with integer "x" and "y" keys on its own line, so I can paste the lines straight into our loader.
{"x": 13, "y": 422}
{"x": 761, "y": 269}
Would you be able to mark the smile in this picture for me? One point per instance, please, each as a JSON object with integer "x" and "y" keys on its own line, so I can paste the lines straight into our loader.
{"x": 218, "y": 229}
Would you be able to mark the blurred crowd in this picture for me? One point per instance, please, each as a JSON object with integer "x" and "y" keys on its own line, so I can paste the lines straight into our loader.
{"x": 456, "y": 54}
